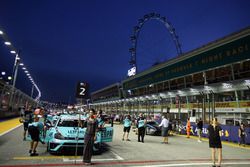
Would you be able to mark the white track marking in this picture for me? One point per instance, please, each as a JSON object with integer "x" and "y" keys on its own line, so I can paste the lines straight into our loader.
{"x": 117, "y": 156}
{"x": 93, "y": 160}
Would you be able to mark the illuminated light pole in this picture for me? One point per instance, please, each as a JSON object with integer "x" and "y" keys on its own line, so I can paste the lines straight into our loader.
{"x": 15, "y": 69}
{"x": 3, "y": 73}
{"x": 7, "y": 43}
{"x": 32, "y": 90}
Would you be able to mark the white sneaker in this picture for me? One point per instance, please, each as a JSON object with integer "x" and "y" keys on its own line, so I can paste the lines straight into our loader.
{"x": 199, "y": 141}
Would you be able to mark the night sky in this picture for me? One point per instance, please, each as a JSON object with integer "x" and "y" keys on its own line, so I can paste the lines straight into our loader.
{"x": 66, "y": 41}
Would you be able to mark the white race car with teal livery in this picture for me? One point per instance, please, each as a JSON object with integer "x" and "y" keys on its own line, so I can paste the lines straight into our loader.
{"x": 67, "y": 135}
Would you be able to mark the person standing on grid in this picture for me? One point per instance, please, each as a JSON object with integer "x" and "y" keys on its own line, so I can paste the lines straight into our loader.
{"x": 127, "y": 125}
{"x": 214, "y": 134}
{"x": 199, "y": 129}
{"x": 164, "y": 131}
{"x": 242, "y": 135}
{"x": 141, "y": 123}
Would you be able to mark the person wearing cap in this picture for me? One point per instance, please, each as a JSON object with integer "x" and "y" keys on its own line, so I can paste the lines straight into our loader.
{"x": 34, "y": 130}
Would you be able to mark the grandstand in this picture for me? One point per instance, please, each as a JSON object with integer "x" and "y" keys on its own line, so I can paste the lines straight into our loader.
{"x": 213, "y": 80}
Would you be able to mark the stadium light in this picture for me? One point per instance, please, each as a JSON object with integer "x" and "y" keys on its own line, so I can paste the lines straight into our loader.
{"x": 1, "y": 32}
{"x": 227, "y": 85}
{"x": 247, "y": 82}
{"x": 193, "y": 90}
{"x": 207, "y": 88}
{"x": 9, "y": 78}
{"x": 21, "y": 64}
{"x": 7, "y": 43}
{"x": 3, "y": 72}
{"x": 13, "y": 52}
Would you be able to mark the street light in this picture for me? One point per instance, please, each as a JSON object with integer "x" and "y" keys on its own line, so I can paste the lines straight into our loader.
{"x": 15, "y": 67}
{"x": 7, "y": 43}
{"x": 3, "y": 73}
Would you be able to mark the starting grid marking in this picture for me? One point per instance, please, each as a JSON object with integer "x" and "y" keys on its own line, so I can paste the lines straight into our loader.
{"x": 69, "y": 158}
{"x": 117, "y": 158}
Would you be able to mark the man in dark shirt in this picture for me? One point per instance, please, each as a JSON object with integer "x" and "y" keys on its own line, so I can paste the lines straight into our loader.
{"x": 199, "y": 129}
{"x": 27, "y": 118}
{"x": 141, "y": 123}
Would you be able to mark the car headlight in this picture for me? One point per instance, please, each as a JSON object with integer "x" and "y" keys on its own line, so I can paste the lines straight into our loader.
{"x": 59, "y": 136}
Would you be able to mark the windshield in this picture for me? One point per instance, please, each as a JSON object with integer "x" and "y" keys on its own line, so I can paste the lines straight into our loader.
{"x": 68, "y": 123}
{"x": 153, "y": 123}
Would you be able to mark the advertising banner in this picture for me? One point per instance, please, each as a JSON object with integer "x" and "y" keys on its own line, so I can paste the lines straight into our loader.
{"x": 229, "y": 133}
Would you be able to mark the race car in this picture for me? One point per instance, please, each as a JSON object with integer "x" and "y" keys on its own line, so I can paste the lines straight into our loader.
{"x": 151, "y": 128}
{"x": 67, "y": 135}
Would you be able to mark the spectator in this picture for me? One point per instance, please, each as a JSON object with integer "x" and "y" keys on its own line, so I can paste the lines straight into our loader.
{"x": 242, "y": 135}
{"x": 188, "y": 128}
{"x": 199, "y": 129}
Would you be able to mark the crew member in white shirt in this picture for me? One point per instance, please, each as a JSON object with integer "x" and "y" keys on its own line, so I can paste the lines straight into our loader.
{"x": 164, "y": 132}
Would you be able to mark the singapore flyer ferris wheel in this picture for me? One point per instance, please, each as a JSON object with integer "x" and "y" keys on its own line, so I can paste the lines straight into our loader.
{"x": 135, "y": 36}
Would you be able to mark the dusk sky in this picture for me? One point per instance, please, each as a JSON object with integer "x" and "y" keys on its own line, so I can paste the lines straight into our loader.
{"x": 66, "y": 41}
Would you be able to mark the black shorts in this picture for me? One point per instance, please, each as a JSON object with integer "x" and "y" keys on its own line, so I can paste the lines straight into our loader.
{"x": 34, "y": 133}
{"x": 215, "y": 143}
{"x": 25, "y": 125}
{"x": 126, "y": 129}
